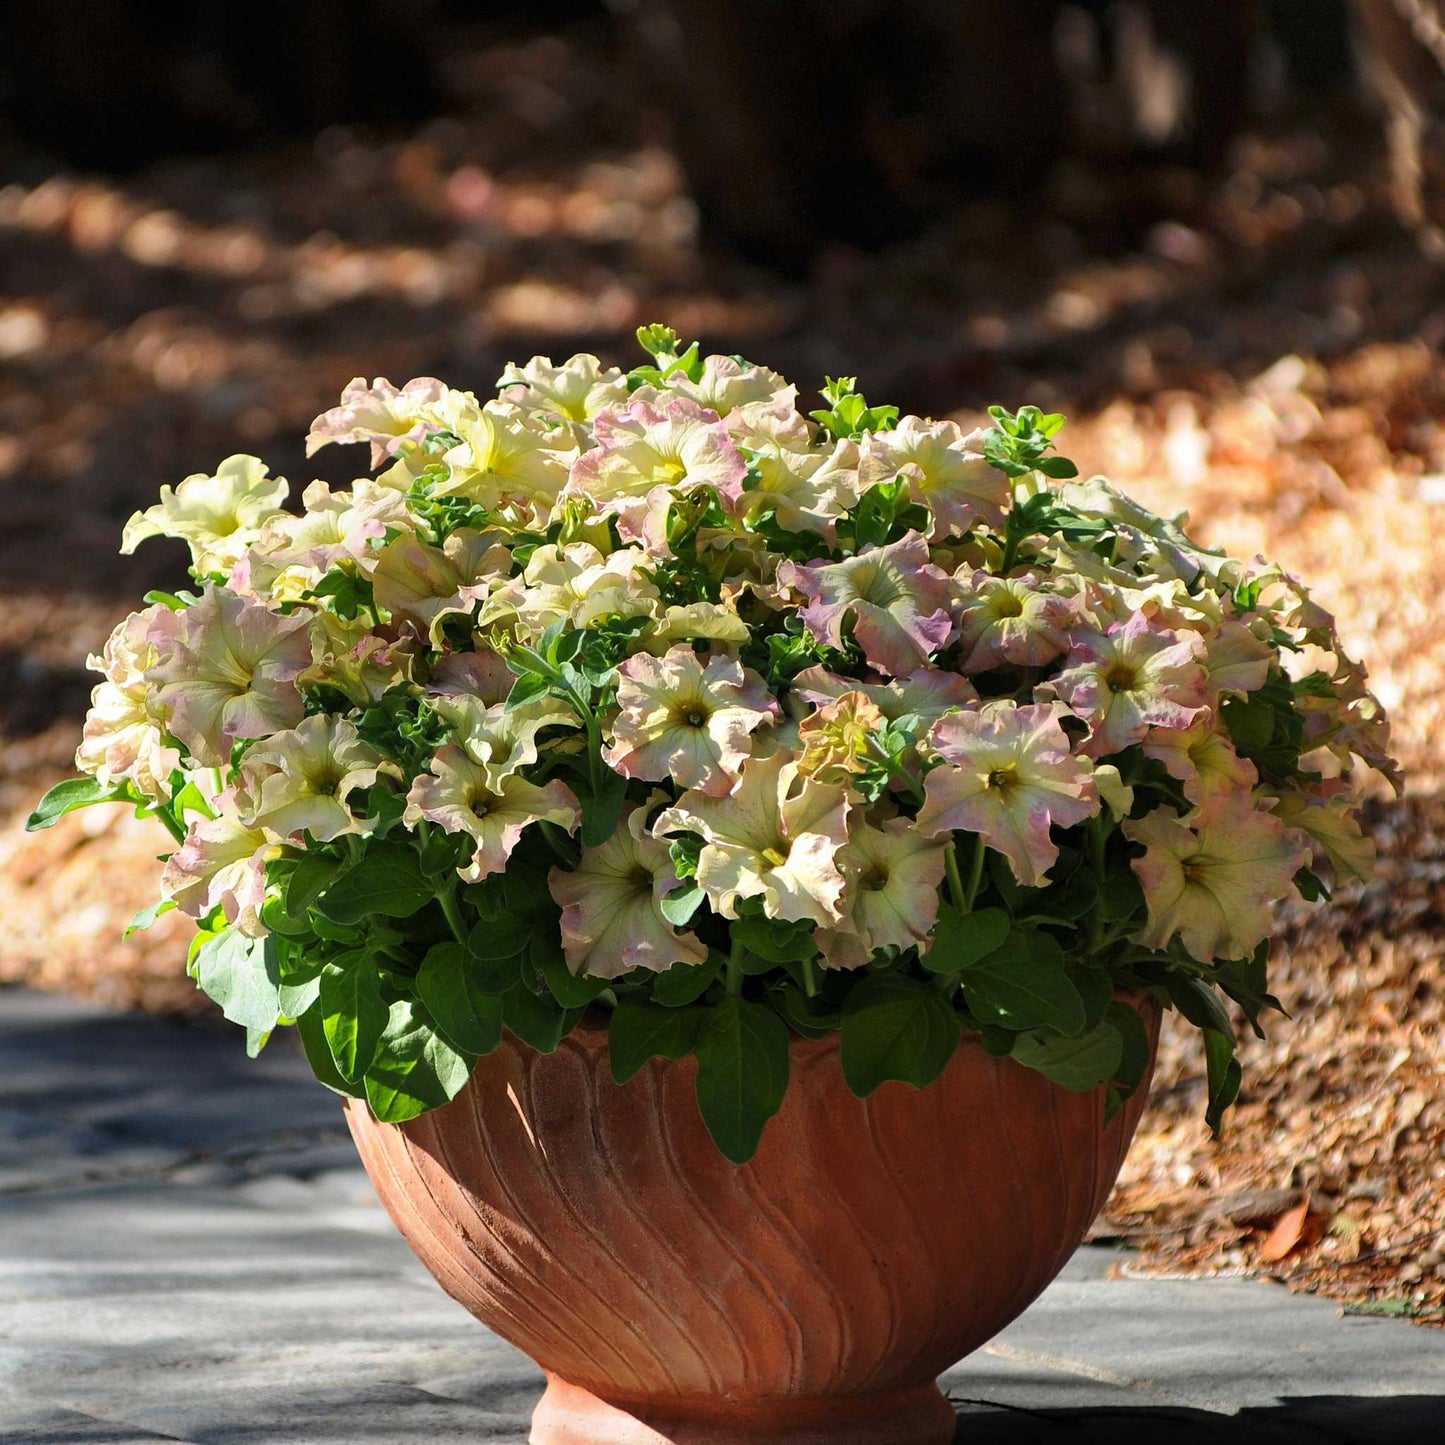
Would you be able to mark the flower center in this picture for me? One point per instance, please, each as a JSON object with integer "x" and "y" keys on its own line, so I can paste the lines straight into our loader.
{"x": 1121, "y": 677}
{"x": 774, "y": 857}
{"x": 1005, "y": 604}
{"x": 1193, "y": 869}
{"x": 1002, "y": 778}
{"x": 874, "y": 881}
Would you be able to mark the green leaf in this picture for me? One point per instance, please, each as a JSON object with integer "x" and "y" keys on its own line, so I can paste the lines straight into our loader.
{"x": 961, "y": 939}
{"x": 775, "y": 941}
{"x": 600, "y": 811}
{"x": 298, "y": 992}
{"x": 256, "y": 1040}
{"x": 539, "y": 1021}
{"x": 388, "y": 880}
{"x": 353, "y": 1013}
{"x": 307, "y": 880}
{"x": 470, "y": 1017}
{"x": 147, "y": 916}
{"x": 76, "y": 793}
{"x": 639, "y": 1031}
{"x": 685, "y": 983}
{"x": 1135, "y": 1037}
{"x": 1198, "y": 1002}
{"x": 1023, "y": 984}
{"x": 678, "y": 908}
{"x": 742, "y": 1074}
{"x": 318, "y": 1055}
{"x": 497, "y": 940}
{"x": 1225, "y": 1076}
{"x": 415, "y": 1068}
{"x": 896, "y": 1027}
{"x": 240, "y": 974}
{"x": 569, "y": 989}
{"x": 1077, "y": 1064}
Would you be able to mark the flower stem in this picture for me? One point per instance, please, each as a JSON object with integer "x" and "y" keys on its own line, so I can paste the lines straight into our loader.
{"x": 975, "y": 877}
{"x": 810, "y": 978}
{"x": 955, "y": 883}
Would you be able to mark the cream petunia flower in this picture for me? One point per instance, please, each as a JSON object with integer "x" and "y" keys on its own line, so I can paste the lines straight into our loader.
{"x": 573, "y": 392}
{"x": 730, "y": 388}
{"x": 229, "y": 673}
{"x": 426, "y": 585}
{"x": 222, "y": 862}
{"x": 1130, "y": 679}
{"x": 687, "y": 721}
{"x": 776, "y": 837}
{"x": 1326, "y": 818}
{"x": 804, "y": 488}
{"x": 928, "y": 693}
{"x": 1008, "y": 620}
{"x": 1202, "y": 758}
{"x": 458, "y": 796}
{"x": 218, "y": 516}
{"x": 574, "y": 584}
{"x": 508, "y": 461}
{"x": 381, "y": 415}
{"x": 946, "y": 473}
{"x": 1210, "y": 878}
{"x": 611, "y": 916}
{"x": 124, "y": 737}
{"x": 839, "y": 739}
{"x": 1008, "y": 775}
{"x": 301, "y": 780}
{"x": 893, "y": 877}
{"x": 898, "y": 601}
{"x": 501, "y": 742}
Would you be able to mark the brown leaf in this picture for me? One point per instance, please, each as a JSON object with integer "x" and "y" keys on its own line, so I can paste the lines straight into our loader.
{"x": 1286, "y": 1234}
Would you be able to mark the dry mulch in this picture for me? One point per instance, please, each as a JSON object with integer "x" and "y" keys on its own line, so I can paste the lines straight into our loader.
{"x": 1263, "y": 351}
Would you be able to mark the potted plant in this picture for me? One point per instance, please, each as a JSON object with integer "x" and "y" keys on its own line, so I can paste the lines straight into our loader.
{"x": 632, "y": 761}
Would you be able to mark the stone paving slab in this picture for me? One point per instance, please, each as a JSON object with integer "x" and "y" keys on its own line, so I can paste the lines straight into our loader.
{"x": 189, "y": 1252}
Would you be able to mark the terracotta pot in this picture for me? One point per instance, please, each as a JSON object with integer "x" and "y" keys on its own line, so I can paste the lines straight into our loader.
{"x": 810, "y": 1297}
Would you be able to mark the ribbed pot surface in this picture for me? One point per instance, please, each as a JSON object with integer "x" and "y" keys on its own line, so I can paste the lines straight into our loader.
{"x": 868, "y": 1246}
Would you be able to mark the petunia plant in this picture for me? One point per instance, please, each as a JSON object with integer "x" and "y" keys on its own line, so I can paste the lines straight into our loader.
{"x": 645, "y": 698}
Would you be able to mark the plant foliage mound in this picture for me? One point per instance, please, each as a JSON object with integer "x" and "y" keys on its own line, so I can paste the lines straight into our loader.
{"x": 645, "y": 692}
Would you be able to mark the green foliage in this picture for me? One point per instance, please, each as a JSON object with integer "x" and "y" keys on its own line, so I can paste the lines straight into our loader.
{"x": 742, "y": 1073}
{"x": 847, "y": 415}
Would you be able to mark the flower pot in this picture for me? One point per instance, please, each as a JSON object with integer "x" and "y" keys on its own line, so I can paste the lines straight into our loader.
{"x": 812, "y": 1295}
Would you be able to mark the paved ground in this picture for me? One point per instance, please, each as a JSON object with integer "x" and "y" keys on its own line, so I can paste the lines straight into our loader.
{"x": 189, "y": 1251}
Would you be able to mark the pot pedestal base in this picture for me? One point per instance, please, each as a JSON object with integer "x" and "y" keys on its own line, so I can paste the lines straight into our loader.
{"x": 569, "y": 1415}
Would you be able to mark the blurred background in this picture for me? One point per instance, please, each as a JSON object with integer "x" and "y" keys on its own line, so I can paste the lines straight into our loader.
{"x": 1210, "y": 233}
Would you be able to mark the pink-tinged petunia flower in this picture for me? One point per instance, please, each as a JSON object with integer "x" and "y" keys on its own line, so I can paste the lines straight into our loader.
{"x": 645, "y": 453}
{"x": 222, "y": 862}
{"x": 1202, "y": 758}
{"x": 1007, "y": 775}
{"x": 425, "y": 585}
{"x": 574, "y": 584}
{"x": 731, "y": 388}
{"x": 776, "y": 837}
{"x": 229, "y": 672}
{"x": 458, "y": 796}
{"x": 611, "y": 916}
{"x": 301, "y": 780}
{"x": 838, "y": 740}
{"x": 336, "y": 527}
{"x": 1010, "y": 620}
{"x": 218, "y": 517}
{"x": 687, "y": 721}
{"x": 928, "y": 693}
{"x": 898, "y": 601}
{"x": 1210, "y": 878}
{"x": 893, "y": 876}
{"x": 1326, "y": 818}
{"x": 379, "y": 414}
{"x": 573, "y": 392}
{"x": 945, "y": 470}
{"x": 711, "y": 621}
{"x": 363, "y": 666}
{"x": 1236, "y": 661}
{"x": 1130, "y": 679}
{"x": 501, "y": 741}
{"x": 483, "y": 674}
{"x": 124, "y": 738}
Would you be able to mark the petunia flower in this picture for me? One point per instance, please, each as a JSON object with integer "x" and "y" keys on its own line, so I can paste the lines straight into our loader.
{"x": 222, "y": 862}
{"x": 775, "y": 837}
{"x": 1130, "y": 679}
{"x": 838, "y": 739}
{"x": 483, "y": 674}
{"x": 335, "y": 527}
{"x": 645, "y": 453}
{"x": 381, "y": 415}
{"x": 502, "y": 742}
{"x": 713, "y": 621}
{"x": 1202, "y": 758}
{"x": 893, "y": 877}
{"x": 124, "y": 737}
{"x": 508, "y": 461}
{"x": 728, "y": 386}
{"x": 574, "y": 584}
{"x": 301, "y": 780}
{"x": 1007, "y": 775}
{"x": 1010, "y": 620}
{"x": 573, "y": 392}
{"x": 927, "y": 694}
{"x": 425, "y": 584}
{"x": 1236, "y": 661}
{"x": 946, "y": 473}
{"x": 1326, "y": 818}
{"x": 1211, "y": 877}
{"x": 611, "y": 915}
{"x": 361, "y": 665}
{"x": 457, "y": 795}
{"x": 898, "y": 601}
{"x": 687, "y": 721}
{"x": 218, "y": 516}
{"x": 804, "y": 488}
{"x": 229, "y": 672}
